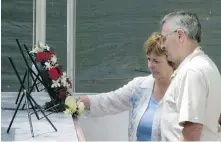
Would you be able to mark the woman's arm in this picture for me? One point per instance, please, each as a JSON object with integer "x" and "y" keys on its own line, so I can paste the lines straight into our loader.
{"x": 86, "y": 101}
{"x": 112, "y": 102}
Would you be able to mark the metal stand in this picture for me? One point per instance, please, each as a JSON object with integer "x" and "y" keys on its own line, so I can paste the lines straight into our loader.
{"x": 28, "y": 100}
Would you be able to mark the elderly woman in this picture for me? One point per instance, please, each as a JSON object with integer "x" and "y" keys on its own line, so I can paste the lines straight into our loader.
{"x": 141, "y": 96}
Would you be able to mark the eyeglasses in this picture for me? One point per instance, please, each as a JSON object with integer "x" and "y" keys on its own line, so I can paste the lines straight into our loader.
{"x": 165, "y": 37}
{"x": 163, "y": 48}
{"x": 170, "y": 34}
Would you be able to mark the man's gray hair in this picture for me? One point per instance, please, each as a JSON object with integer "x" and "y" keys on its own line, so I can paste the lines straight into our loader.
{"x": 187, "y": 21}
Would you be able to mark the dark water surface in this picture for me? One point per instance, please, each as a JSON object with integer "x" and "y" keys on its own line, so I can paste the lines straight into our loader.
{"x": 110, "y": 37}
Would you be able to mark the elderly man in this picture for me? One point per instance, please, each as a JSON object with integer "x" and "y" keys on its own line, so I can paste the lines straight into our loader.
{"x": 191, "y": 105}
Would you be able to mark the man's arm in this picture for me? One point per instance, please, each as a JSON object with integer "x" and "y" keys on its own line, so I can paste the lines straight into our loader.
{"x": 193, "y": 106}
{"x": 191, "y": 131}
{"x": 219, "y": 128}
{"x": 219, "y": 121}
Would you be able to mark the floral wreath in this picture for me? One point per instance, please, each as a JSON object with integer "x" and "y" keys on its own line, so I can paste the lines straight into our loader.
{"x": 57, "y": 79}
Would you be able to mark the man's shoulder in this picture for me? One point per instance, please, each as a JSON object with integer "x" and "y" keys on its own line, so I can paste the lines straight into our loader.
{"x": 202, "y": 64}
{"x": 201, "y": 68}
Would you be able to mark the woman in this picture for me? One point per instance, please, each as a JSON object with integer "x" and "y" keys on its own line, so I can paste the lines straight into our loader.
{"x": 141, "y": 96}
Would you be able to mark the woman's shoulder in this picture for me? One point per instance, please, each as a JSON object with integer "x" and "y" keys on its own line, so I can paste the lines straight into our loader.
{"x": 144, "y": 81}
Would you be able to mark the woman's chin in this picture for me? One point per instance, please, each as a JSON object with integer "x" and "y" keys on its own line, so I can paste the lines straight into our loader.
{"x": 155, "y": 75}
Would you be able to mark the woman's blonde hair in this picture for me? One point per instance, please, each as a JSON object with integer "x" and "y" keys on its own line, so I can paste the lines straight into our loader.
{"x": 154, "y": 44}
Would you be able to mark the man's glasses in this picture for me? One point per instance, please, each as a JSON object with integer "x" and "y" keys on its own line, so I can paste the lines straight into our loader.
{"x": 165, "y": 37}
{"x": 169, "y": 34}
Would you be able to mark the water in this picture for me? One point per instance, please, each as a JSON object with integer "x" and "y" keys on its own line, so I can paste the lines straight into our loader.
{"x": 110, "y": 37}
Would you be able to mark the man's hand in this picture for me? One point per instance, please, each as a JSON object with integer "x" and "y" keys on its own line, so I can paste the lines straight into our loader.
{"x": 191, "y": 131}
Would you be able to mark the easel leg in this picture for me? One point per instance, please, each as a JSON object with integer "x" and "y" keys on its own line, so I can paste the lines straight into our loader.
{"x": 42, "y": 112}
{"x": 33, "y": 107}
{"x": 31, "y": 73}
{"x": 15, "y": 112}
{"x": 21, "y": 87}
{"x": 29, "y": 91}
{"x": 19, "y": 93}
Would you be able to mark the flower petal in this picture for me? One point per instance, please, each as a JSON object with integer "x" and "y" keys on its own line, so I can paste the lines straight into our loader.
{"x": 71, "y": 103}
{"x": 67, "y": 111}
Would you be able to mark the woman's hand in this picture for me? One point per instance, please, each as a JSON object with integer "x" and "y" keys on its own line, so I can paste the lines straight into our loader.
{"x": 86, "y": 101}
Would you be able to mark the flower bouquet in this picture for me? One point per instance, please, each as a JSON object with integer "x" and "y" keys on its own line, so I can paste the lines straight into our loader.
{"x": 57, "y": 81}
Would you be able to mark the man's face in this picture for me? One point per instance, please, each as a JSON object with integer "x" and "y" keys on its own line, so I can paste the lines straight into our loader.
{"x": 171, "y": 42}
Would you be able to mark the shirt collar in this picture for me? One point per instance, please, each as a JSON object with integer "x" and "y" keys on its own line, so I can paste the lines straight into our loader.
{"x": 196, "y": 52}
{"x": 147, "y": 82}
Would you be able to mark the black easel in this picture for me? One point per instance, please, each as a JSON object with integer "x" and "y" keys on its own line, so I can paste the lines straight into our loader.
{"x": 28, "y": 100}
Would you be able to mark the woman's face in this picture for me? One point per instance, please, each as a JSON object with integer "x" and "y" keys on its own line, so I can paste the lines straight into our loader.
{"x": 158, "y": 65}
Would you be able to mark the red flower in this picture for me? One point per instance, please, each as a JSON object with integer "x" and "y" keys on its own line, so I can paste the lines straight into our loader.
{"x": 69, "y": 82}
{"x": 53, "y": 73}
{"x": 52, "y": 52}
{"x": 62, "y": 93}
{"x": 43, "y": 56}
{"x": 60, "y": 72}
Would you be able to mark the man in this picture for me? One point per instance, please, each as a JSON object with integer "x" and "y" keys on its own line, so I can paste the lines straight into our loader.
{"x": 191, "y": 105}
{"x": 219, "y": 129}
{"x": 220, "y": 119}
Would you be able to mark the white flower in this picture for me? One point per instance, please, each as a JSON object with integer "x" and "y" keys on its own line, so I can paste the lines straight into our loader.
{"x": 64, "y": 81}
{"x": 44, "y": 46}
{"x": 47, "y": 65}
{"x": 47, "y": 47}
{"x": 36, "y": 50}
{"x": 56, "y": 65}
{"x": 55, "y": 83}
{"x": 72, "y": 106}
{"x": 64, "y": 75}
{"x": 53, "y": 59}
